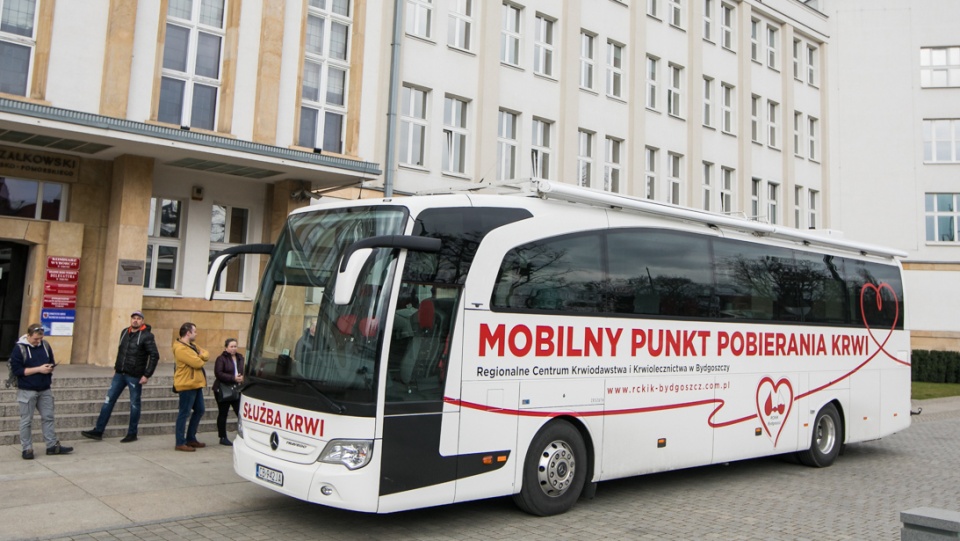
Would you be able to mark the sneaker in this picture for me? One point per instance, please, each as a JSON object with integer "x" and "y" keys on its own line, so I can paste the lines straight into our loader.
{"x": 128, "y": 438}
{"x": 196, "y": 444}
{"x": 185, "y": 448}
{"x": 92, "y": 434}
{"x": 225, "y": 441}
{"x": 58, "y": 449}
{"x": 27, "y": 455}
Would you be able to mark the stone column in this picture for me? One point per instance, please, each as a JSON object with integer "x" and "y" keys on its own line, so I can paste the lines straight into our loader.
{"x": 125, "y": 238}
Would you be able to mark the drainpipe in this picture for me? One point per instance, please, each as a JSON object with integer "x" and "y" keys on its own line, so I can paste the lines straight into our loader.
{"x": 390, "y": 158}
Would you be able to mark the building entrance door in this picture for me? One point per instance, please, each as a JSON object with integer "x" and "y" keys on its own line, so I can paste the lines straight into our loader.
{"x": 13, "y": 271}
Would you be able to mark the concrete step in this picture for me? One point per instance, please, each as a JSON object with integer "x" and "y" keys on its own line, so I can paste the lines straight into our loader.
{"x": 80, "y": 395}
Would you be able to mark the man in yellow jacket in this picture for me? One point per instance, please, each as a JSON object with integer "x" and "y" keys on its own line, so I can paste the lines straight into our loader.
{"x": 189, "y": 380}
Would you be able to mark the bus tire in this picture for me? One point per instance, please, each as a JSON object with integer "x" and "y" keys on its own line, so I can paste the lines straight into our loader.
{"x": 826, "y": 440}
{"x": 554, "y": 470}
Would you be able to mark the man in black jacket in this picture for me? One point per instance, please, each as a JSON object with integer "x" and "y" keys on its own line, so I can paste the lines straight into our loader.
{"x": 137, "y": 358}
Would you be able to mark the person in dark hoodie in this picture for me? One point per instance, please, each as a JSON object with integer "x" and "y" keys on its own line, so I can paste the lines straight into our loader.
{"x": 32, "y": 362}
{"x": 137, "y": 358}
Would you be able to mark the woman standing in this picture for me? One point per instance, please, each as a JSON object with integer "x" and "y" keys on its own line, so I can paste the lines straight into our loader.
{"x": 229, "y": 371}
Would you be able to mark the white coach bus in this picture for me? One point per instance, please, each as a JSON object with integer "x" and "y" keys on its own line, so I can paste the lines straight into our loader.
{"x": 422, "y": 351}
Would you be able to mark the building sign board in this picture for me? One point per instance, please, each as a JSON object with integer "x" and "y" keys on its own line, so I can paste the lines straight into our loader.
{"x": 39, "y": 165}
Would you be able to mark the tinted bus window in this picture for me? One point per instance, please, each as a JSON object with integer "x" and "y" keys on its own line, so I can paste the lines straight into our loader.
{"x": 659, "y": 272}
{"x": 558, "y": 274}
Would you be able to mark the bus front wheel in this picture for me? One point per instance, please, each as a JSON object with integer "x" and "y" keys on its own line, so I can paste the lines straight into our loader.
{"x": 826, "y": 440}
{"x": 554, "y": 470}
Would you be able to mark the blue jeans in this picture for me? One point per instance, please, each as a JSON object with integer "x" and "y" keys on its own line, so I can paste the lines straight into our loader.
{"x": 42, "y": 401}
{"x": 189, "y": 400}
{"x": 121, "y": 381}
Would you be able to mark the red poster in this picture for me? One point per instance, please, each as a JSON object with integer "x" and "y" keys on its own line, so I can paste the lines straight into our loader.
{"x": 57, "y": 301}
{"x": 59, "y": 262}
{"x": 60, "y": 288}
{"x": 62, "y": 275}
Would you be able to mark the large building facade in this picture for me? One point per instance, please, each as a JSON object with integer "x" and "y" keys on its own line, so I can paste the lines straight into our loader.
{"x": 138, "y": 137}
{"x": 897, "y": 141}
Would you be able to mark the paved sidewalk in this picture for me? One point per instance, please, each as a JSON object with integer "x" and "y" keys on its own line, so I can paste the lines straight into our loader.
{"x": 107, "y": 484}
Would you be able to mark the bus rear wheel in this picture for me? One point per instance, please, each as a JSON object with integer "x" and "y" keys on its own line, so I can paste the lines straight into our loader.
{"x": 826, "y": 440}
{"x": 554, "y": 471}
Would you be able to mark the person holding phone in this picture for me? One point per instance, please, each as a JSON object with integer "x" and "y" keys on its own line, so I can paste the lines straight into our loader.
{"x": 32, "y": 362}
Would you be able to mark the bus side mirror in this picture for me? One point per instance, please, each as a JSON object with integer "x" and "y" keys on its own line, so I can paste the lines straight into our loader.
{"x": 348, "y": 274}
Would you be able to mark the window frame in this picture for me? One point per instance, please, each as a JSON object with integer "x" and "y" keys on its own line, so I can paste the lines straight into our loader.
{"x": 155, "y": 241}
{"x": 813, "y": 138}
{"x": 242, "y": 260}
{"x": 410, "y": 123}
{"x": 455, "y": 136}
{"x": 413, "y": 19}
{"x": 708, "y": 101}
{"x": 189, "y": 78}
{"x": 773, "y": 47}
{"x": 727, "y": 22}
{"x": 773, "y": 124}
{"x": 615, "y": 78}
{"x": 27, "y": 42}
{"x": 511, "y": 12}
{"x": 675, "y": 177}
{"x": 650, "y": 172}
{"x": 585, "y": 148}
{"x": 587, "y": 60}
{"x": 326, "y": 63}
{"x": 675, "y": 90}
{"x": 930, "y": 68}
{"x": 460, "y": 25}
{"x": 933, "y": 217}
{"x": 707, "y": 185}
{"x": 652, "y": 72}
{"x": 728, "y": 183}
{"x": 540, "y": 151}
{"x": 543, "y": 46}
{"x": 727, "y": 104}
{"x": 504, "y": 143}
{"x": 613, "y": 164}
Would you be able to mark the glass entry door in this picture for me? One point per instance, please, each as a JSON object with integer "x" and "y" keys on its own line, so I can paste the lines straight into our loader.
{"x": 13, "y": 268}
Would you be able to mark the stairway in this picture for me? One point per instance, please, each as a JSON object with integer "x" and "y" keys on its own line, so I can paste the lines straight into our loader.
{"x": 80, "y": 390}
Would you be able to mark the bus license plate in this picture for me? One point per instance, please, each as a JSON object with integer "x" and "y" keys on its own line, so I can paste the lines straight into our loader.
{"x": 270, "y": 475}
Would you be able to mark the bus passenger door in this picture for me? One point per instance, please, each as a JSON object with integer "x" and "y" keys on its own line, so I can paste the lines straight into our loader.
{"x": 418, "y": 450}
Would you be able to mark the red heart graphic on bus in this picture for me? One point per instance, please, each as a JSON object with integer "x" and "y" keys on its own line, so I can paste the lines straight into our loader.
{"x": 879, "y": 298}
{"x": 774, "y": 402}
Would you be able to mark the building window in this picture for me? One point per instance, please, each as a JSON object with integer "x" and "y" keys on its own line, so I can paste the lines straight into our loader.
{"x": 773, "y": 41}
{"x": 812, "y": 65}
{"x": 773, "y": 124}
{"x": 584, "y": 158}
{"x": 23, "y": 198}
{"x": 675, "y": 91}
{"x": 506, "y": 145}
{"x": 190, "y": 80}
{"x": 543, "y": 46}
{"x": 941, "y": 141}
{"x": 798, "y": 207}
{"x": 653, "y": 8}
{"x": 727, "y": 108}
{"x": 726, "y": 190}
{"x": 755, "y": 185}
{"x": 726, "y": 26}
{"x": 939, "y": 66}
{"x": 707, "y": 101}
{"x": 611, "y": 168}
{"x": 413, "y": 125}
{"x": 708, "y": 20}
{"x": 586, "y": 60}
{"x": 228, "y": 227}
{"x": 773, "y": 203}
{"x": 797, "y": 133}
{"x": 419, "y": 17}
{"x": 941, "y": 214}
{"x": 540, "y": 149}
{"x": 614, "y": 70}
{"x": 325, "y": 73}
{"x": 813, "y": 209}
{"x": 460, "y": 24}
{"x": 510, "y": 35}
{"x": 650, "y": 166}
{"x": 652, "y": 64}
{"x": 163, "y": 244}
{"x": 675, "y": 176}
{"x": 755, "y": 118}
{"x": 454, "y": 135}
{"x": 17, "y": 42}
{"x": 813, "y": 128}
{"x": 707, "y": 184}
{"x": 754, "y": 40}
{"x": 676, "y": 13}
{"x": 797, "y": 58}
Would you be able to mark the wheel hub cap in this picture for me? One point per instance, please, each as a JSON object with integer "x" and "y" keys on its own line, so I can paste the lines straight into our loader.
{"x": 556, "y": 469}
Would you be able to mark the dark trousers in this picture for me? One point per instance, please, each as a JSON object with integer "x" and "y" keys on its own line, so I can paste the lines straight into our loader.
{"x": 224, "y": 408}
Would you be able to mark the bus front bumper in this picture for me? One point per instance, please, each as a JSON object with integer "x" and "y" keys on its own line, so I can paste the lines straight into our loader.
{"x": 327, "y": 484}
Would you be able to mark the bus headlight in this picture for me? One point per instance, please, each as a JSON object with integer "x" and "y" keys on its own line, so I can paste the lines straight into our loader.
{"x": 351, "y": 453}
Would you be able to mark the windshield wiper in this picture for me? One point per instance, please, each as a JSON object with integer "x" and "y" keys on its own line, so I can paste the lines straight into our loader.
{"x": 336, "y": 407}
{"x": 253, "y": 380}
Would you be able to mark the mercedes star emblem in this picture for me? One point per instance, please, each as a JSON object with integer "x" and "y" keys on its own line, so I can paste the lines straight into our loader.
{"x": 274, "y": 441}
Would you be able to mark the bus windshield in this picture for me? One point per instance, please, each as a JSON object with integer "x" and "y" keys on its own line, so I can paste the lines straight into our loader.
{"x": 299, "y": 334}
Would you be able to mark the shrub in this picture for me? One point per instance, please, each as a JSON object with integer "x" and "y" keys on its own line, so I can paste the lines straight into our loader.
{"x": 935, "y": 366}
